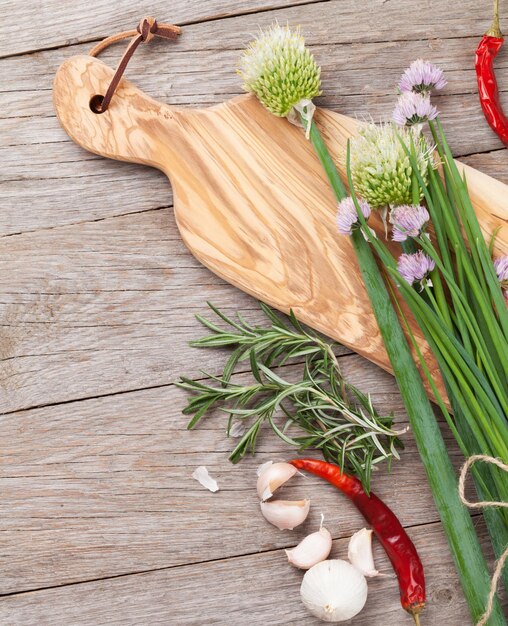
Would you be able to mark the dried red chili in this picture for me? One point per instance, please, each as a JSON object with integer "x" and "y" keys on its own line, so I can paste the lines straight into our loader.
{"x": 486, "y": 53}
{"x": 387, "y": 528}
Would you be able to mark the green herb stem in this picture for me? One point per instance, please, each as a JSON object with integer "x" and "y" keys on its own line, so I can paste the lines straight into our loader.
{"x": 463, "y": 541}
{"x": 321, "y": 409}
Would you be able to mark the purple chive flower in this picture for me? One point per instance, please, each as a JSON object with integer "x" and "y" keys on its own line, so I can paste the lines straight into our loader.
{"x": 413, "y": 108}
{"x": 422, "y": 77}
{"x": 347, "y": 215}
{"x": 415, "y": 268}
{"x": 408, "y": 221}
{"x": 501, "y": 267}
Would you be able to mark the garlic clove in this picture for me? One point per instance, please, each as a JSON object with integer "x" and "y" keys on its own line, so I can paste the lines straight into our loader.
{"x": 285, "y": 514}
{"x": 275, "y": 475}
{"x": 311, "y": 550}
{"x": 360, "y": 553}
{"x": 334, "y": 590}
{"x": 203, "y": 477}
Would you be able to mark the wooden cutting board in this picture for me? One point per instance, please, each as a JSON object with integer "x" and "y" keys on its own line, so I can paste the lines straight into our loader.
{"x": 250, "y": 198}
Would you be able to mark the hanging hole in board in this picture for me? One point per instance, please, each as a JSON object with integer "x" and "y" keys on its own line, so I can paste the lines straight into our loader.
{"x": 96, "y": 103}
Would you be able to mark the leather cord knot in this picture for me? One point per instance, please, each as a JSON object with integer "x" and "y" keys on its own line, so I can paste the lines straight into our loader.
{"x": 146, "y": 30}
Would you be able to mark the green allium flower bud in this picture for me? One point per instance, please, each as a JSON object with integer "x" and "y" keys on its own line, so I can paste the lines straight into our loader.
{"x": 380, "y": 167}
{"x": 279, "y": 69}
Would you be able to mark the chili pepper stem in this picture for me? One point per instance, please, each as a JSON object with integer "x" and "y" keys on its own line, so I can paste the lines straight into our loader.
{"x": 495, "y": 30}
{"x": 387, "y": 528}
{"x": 416, "y": 617}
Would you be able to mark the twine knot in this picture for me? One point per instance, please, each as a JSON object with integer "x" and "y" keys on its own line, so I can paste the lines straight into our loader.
{"x": 498, "y": 568}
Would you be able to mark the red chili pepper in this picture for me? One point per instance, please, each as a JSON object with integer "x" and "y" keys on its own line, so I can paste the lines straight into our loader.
{"x": 486, "y": 52}
{"x": 392, "y": 536}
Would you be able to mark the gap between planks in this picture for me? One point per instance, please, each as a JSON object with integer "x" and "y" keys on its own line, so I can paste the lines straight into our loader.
{"x": 139, "y": 389}
{"x": 432, "y": 523}
{"x": 94, "y": 40}
{"x": 163, "y": 207}
{"x": 211, "y": 18}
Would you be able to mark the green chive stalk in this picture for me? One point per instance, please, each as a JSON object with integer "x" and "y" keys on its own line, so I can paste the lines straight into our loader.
{"x": 468, "y": 335}
{"x": 283, "y": 74}
{"x": 457, "y": 523}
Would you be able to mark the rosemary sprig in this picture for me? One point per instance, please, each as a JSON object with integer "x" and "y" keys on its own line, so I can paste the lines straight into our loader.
{"x": 320, "y": 410}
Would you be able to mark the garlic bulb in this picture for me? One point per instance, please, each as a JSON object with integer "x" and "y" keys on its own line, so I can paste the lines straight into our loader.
{"x": 272, "y": 477}
{"x": 334, "y": 591}
{"x": 284, "y": 514}
{"x": 311, "y": 550}
{"x": 359, "y": 552}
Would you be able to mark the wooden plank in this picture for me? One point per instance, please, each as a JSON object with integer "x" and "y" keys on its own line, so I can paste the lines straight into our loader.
{"x": 336, "y": 20}
{"x": 259, "y": 589}
{"x": 109, "y": 303}
{"x": 86, "y": 190}
{"x": 64, "y": 24}
{"x": 493, "y": 163}
{"x": 180, "y": 71}
{"x": 103, "y": 487}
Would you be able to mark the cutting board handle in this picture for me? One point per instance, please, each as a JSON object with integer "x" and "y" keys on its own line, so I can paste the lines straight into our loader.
{"x": 135, "y": 127}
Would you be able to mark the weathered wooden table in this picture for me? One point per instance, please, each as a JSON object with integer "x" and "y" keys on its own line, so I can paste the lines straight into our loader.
{"x": 100, "y": 520}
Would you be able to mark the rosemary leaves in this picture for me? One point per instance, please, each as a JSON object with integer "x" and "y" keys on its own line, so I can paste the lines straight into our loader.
{"x": 320, "y": 410}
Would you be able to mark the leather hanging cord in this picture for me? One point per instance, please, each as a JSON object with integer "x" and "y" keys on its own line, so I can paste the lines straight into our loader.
{"x": 147, "y": 29}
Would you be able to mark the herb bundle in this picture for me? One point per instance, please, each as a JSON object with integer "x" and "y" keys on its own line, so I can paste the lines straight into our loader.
{"x": 449, "y": 283}
{"x": 320, "y": 410}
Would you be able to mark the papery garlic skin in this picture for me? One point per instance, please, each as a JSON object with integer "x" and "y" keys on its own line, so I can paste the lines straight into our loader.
{"x": 261, "y": 468}
{"x": 360, "y": 554}
{"x": 334, "y": 590}
{"x": 271, "y": 478}
{"x": 237, "y": 430}
{"x": 203, "y": 477}
{"x": 311, "y": 550}
{"x": 285, "y": 514}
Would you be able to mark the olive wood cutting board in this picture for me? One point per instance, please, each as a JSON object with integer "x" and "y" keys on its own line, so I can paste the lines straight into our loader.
{"x": 250, "y": 198}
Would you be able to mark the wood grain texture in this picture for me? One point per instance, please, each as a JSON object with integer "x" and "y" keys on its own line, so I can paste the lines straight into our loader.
{"x": 103, "y": 487}
{"x": 251, "y": 200}
{"x": 332, "y": 21}
{"x": 111, "y": 303}
{"x": 258, "y": 589}
{"x": 198, "y": 70}
{"x": 250, "y": 197}
{"x": 97, "y": 297}
{"x": 65, "y": 24}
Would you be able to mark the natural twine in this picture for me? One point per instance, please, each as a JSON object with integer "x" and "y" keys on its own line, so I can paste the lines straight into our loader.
{"x": 480, "y": 505}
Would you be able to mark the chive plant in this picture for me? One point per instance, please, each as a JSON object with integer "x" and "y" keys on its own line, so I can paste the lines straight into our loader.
{"x": 465, "y": 325}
